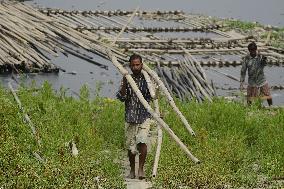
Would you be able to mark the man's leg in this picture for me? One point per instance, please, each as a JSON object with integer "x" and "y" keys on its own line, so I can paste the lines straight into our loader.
{"x": 131, "y": 158}
{"x": 142, "y": 141}
{"x": 248, "y": 102}
{"x": 251, "y": 92}
{"x": 142, "y": 147}
{"x": 130, "y": 132}
{"x": 265, "y": 90}
{"x": 269, "y": 101}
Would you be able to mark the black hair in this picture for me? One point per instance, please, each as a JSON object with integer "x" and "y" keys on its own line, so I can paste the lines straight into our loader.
{"x": 252, "y": 46}
{"x": 135, "y": 56}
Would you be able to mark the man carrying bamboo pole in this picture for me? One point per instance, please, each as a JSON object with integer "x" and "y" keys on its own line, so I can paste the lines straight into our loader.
{"x": 257, "y": 84}
{"x": 137, "y": 118}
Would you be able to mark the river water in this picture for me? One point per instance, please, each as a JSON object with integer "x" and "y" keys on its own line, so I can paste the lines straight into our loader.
{"x": 263, "y": 11}
{"x": 79, "y": 72}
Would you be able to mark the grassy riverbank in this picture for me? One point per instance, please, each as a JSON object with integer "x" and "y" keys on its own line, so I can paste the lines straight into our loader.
{"x": 59, "y": 119}
{"x": 260, "y": 32}
{"x": 238, "y": 146}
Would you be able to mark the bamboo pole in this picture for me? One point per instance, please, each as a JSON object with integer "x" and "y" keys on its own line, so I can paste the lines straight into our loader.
{"x": 149, "y": 84}
{"x": 160, "y": 133}
{"x": 39, "y": 158}
{"x": 192, "y": 50}
{"x": 170, "y": 99}
{"x": 198, "y": 85}
{"x": 159, "y": 140}
{"x": 199, "y": 69}
{"x": 132, "y": 83}
{"x": 124, "y": 27}
{"x": 227, "y": 75}
{"x": 27, "y": 118}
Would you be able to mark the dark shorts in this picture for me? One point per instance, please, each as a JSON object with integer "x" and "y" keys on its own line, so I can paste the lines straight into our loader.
{"x": 253, "y": 91}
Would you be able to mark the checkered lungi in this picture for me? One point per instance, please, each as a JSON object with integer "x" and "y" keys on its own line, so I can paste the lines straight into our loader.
{"x": 255, "y": 91}
{"x": 137, "y": 133}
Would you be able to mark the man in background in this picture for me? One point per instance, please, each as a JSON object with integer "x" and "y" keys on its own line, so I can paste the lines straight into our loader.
{"x": 257, "y": 84}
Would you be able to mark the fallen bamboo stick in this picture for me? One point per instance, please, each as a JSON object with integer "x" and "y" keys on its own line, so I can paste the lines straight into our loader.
{"x": 227, "y": 75}
{"x": 39, "y": 158}
{"x": 27, "y": 118}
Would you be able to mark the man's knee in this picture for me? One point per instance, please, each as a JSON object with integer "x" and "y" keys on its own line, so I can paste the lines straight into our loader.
{"x": 269, "y": 101}
{"x": 141, "y": 146}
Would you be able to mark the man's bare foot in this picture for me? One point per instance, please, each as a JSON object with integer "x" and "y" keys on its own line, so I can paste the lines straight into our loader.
{"x": 141, "y": 174}
{"x": 131, "y": 175}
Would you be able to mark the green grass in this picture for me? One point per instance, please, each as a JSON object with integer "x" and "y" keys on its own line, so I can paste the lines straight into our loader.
{"x": 242, "y": 25}
{"x": 235, "y": 144}
{"x": 60, "y": 119}
{"x": 277, "y": 34}
{"x": 231, "y": 140}
{"x": 277, "y": 38}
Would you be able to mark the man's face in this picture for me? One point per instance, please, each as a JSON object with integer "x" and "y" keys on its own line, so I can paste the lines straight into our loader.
{"x": 136, "y": 66}
{"x": 252, "y": 52}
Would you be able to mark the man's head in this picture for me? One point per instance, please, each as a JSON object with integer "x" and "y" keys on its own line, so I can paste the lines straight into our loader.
{"x": 136, "y": 64}
{"x": 252, "y": 49}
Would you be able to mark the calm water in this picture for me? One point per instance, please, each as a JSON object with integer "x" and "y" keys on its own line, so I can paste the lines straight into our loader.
{"x": 267, "y": 12}
{"x": 263, "y": 11}
{"x": 274, "y": 75}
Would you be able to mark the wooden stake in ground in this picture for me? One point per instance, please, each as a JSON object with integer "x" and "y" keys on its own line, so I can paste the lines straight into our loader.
{"x": 133, "y": 85}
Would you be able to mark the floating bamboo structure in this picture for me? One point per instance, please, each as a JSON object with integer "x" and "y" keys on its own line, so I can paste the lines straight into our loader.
{"x": 273, "y": 87}
{"x": 177, "y": 44}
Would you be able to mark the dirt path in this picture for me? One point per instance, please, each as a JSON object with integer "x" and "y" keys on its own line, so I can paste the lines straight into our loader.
{"x": 136, "y": 183}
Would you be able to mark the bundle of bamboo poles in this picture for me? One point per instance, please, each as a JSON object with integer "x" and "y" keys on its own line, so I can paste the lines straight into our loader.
{"x": 26, "y": 36}
{"x": 187, "y": 82}
{"x": 148, "y": 29}
{"x": 21, "y": 41}
{"x": 109, "y": 13}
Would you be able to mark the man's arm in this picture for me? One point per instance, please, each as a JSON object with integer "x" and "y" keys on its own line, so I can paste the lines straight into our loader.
{"x": 121, "y": 95}
{"x": 243, "y": 73}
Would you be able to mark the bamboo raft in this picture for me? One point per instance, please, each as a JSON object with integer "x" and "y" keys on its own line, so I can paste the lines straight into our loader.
{"x": 30, "y": 35}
